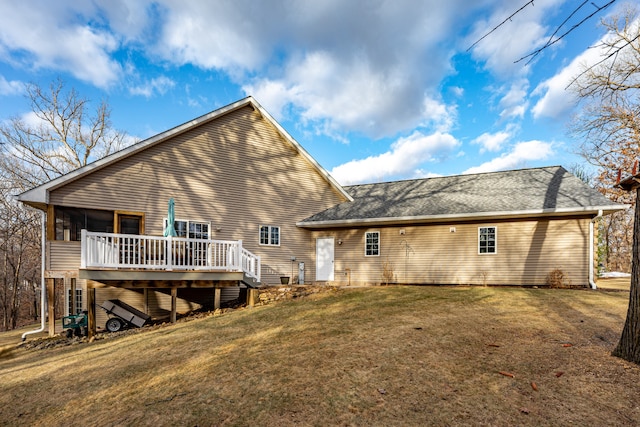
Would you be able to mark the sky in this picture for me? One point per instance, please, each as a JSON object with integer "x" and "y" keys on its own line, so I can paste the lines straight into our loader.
{"x": 374, "y": 90}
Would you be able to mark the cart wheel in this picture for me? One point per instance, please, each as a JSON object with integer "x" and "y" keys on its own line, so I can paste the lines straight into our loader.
{"x": 114, "y": 324}
{"x": 69, "y": 333}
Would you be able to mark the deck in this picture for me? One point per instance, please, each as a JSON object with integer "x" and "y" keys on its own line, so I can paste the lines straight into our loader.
{"x": 155, "y": 261}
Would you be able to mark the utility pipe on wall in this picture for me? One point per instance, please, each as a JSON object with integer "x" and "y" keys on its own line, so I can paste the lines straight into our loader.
{"x": 592, "y": 262}
{"x": 43, "y": 295}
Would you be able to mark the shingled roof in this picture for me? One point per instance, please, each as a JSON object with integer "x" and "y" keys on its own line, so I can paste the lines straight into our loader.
{"x": 519, "y": 193}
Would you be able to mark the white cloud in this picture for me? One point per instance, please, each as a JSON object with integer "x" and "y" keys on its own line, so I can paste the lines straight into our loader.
{"x": 273, "y": 95}
{"x": 158, "y": 85}
{"x": 362, "y": 99}
{"x": 492, "y": 141}
{"x": 12, "y": 87}
{"x": 343, "y": 66}
{"x": 517, "y": 37}
{"x": 54, "y": 35}
{"x": 457, "y": 91}
{"x": 514, "y": 103}
{"x": 404, "y": 159}
{"x": 556, "y": 98}
{"x": 522, "y": 153}
{"x": 129, "y": 19}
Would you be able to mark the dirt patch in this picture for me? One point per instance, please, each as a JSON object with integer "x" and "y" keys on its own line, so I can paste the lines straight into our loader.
{"x": 266, "y": 295}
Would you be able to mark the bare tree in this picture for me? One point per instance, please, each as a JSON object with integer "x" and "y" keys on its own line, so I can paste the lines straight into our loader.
{"x": 19, "y": 256}
{"x": 609, "y": 124}
{"x": 61, "y": 133}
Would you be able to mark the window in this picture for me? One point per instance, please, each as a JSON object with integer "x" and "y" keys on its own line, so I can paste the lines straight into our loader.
{"x": 69, "y": 222}
{"x": 487, "y": 240}
{"x": 78, "y": 307}
{"x": 269, "y": 235}
{"x": 190, "y": 229}
{"x": 372, "y": 243}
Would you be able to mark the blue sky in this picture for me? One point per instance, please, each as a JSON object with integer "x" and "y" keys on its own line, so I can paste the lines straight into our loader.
{"x": 375, "y": 90}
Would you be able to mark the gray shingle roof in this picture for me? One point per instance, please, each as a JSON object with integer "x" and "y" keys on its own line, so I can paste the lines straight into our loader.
{"x": 522, "y": 192}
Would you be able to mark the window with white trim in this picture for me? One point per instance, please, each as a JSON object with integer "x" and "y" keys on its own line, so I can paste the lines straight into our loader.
{"x": 269, "y": 235}
{"x": 78, "y": 308}
{"x": 372, "y": 243}
{"x": 190, "y": 229}
{"x": 487, "y": 240}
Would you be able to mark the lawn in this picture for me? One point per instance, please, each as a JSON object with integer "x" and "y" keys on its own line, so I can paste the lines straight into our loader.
{"x": 370, "y": 356}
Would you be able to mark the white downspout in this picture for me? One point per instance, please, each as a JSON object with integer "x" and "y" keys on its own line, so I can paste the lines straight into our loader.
{"x": 592, "y": 262}
{"x": 43, "y": 295}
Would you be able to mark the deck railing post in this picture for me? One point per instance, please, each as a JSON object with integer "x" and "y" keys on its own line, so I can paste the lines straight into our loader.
{"x": 169, "y": 252}
{"x": 258, "y": 268}
{"x": 83, "y": 248}
{"x": 239, "y": 256}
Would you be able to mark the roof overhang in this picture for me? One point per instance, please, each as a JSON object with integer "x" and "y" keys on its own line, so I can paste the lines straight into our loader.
{"x": 590, "y": 211}
{"x": 38, "y": 197}
{"x": 630, "y": 183}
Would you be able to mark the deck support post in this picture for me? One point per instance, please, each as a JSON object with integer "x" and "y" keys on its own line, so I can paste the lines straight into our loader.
{"x": 91, "y": 309}
{"x": 251, "y": 297}
{"x": 216, "y": 298}
{"x": 72, "y": 308}
{"x": 174, "y": 298}
{"x": 51, "y": 305}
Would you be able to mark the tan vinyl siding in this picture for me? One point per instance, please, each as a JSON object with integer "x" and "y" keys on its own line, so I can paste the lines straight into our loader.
{"x": 63, "y": 255}
{"x": 229, "y": 293}
{"x": 157, "y": 302}
{"x": 133, "y": 297}
{"x": 235, "y": 172}
{"x": 434, "y": 254}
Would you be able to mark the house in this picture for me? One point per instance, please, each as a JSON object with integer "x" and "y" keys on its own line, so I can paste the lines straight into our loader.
{"x": 252, "y": 206}
{"x": 500, "y": 228}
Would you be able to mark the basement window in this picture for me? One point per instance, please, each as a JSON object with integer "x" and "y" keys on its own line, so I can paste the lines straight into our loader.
{"x": 269, "y": 235}
{"x": 78, "y": 308}
{"x": 487, "y": 240}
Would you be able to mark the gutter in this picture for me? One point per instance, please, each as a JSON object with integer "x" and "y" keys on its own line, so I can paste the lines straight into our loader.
{"x": 43, "y": 295}
{"x": 592, "y": 262}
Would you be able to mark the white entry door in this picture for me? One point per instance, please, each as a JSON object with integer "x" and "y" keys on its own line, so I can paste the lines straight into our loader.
{"x": 324, "y": 259}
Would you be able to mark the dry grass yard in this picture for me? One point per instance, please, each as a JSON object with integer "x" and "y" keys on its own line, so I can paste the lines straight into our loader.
{"x": 385, "y": 356}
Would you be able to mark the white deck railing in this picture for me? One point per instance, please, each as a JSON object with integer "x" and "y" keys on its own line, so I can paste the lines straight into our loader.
{"x": 131, "y": 251}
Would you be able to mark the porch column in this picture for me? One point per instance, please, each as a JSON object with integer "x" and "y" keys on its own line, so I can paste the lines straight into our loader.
{"x": 174, "y": 298}
{"x": 91, "y": 309}
{"x": 51, "y": 305}
{"x": 216, "y": 298}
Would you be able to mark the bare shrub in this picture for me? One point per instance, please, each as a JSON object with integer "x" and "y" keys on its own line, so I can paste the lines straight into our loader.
{"x": 558, "y": 279}
{"x": 484, "y": 276}
{"x": 388, "y": 272}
